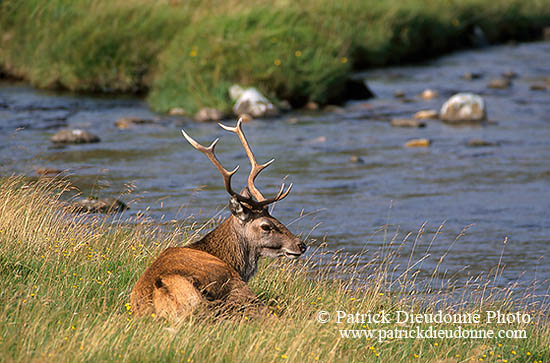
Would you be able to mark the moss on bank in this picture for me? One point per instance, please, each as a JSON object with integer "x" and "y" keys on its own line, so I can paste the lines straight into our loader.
{"x": 187, "y": 53}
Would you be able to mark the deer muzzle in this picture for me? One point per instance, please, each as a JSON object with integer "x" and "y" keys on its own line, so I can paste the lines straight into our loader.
{"x": 295, "y": 251}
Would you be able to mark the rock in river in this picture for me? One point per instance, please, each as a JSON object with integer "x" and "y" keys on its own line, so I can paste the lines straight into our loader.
{"x": 538, "y": 87}
{"x": 469, "y": 76}
{"x": 74, "y": 136}
{"x": 418, "y": 143}
{"x": 94, "y": 205}
{"x": 312, "y": 106}
{"x": 177, "y": 111}
{"x": 407, "y": 122}
{"x": 208, "y": 114}
{"x": 356, "y": 159}
{"x": 463, "y": 107}
{"x": 429, "y": 94}
{"x": 399, "y": 94}
{"x": 129, "y": 122}
{"x": 426, "y": 114}
{"x": 42, "y": 171}
{"x": 499, "y": 83}
{"x": 509, "y": 75}
{"x": 252, "y": 102}
{"x": 481, "y": 143}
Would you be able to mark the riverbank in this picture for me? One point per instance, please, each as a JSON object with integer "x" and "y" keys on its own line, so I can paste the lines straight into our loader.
{"x": 65, "y": 282}
{"x": 187, "y": 54}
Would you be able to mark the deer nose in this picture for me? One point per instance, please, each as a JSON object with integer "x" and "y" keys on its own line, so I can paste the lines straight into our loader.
{"x": 302, "y": 247}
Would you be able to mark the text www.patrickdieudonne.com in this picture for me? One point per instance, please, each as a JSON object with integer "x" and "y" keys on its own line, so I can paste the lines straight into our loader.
{"x": 428, "y": 325}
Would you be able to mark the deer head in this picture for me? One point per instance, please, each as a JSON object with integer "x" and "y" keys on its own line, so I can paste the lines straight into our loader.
{"x": 257, "y": 230}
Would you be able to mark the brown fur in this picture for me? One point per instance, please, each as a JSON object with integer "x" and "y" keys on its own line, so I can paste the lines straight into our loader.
{"x": 210, "y": 272}
{"x": 181, "y": 279}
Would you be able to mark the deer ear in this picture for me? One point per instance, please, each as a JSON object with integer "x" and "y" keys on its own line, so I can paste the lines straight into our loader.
{"x": 239, "y": 210}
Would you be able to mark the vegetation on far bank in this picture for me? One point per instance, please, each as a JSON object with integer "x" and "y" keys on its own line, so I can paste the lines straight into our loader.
{"x": 65, "y": 281}
{"x": 187, "y": 53}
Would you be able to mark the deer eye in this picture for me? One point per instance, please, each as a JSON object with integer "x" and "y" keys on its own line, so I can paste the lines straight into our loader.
{"x": 266, "y": 227}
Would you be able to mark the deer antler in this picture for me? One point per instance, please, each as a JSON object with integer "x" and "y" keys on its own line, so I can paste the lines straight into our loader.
{"x": 209, "y": 152}
{"x": 260, "y": 201}
{"x": 256, "y": 168}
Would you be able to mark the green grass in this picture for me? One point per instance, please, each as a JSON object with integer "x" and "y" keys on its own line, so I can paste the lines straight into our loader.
{"x": 65, "y": 282}
{"x": 187, "y": 53}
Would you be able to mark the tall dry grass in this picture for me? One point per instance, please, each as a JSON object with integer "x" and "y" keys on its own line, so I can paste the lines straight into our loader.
{"x": 65, "y": 281}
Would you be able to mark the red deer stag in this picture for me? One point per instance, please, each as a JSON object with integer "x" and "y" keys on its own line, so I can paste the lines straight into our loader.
{"x": 216, "y": 268}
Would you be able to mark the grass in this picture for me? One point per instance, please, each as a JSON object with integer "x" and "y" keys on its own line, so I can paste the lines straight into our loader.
{"x": 187, "y": 53}
{"x": 65, "y": 281}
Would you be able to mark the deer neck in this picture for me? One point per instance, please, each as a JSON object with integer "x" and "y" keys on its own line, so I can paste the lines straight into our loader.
{"x": 226, "y": 243}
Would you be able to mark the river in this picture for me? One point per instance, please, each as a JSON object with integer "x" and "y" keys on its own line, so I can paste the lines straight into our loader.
{"x": 497, "y": 198}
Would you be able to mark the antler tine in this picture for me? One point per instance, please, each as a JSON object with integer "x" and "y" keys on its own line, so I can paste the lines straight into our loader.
{"x": 255, "y": 167}
{"x": 209, "y": 152}
{"x": 281, "y": 195}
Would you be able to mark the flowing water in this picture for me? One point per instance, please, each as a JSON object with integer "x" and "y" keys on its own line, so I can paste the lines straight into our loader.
{"x": 492, "y": 194}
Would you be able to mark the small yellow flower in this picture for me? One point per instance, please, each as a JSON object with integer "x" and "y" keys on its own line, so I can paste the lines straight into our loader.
{"x": 436, "y": 344}
{"x": 352, "y": 299}
{"x": 504, "y": 361}
{"x": 500, "y": 345}
{"x": 277, "y": 62}
{"x": 381, "y": 294}
{"x": 193, "y": 53}
{"x": 298, "y": 53}
{"x": 153, "y": 315}
{"x": 528, "y": 353}
{"x": 513, "y": 352}
{"x": 284, "y": 356}
{"x": 344, "y": 60}
{"x": 415, "y": 355}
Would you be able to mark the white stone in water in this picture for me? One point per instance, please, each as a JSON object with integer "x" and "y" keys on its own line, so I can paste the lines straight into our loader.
{"x": 235, "y": 92}
{"x": 77, "y": 132}
{"x": 251, "y": 101}
{"x": 463, "y": 107}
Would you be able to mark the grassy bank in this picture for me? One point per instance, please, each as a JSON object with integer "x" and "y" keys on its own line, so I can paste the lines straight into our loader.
{"x": 65, "y": 284}
{"x": 187, "y": 53}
